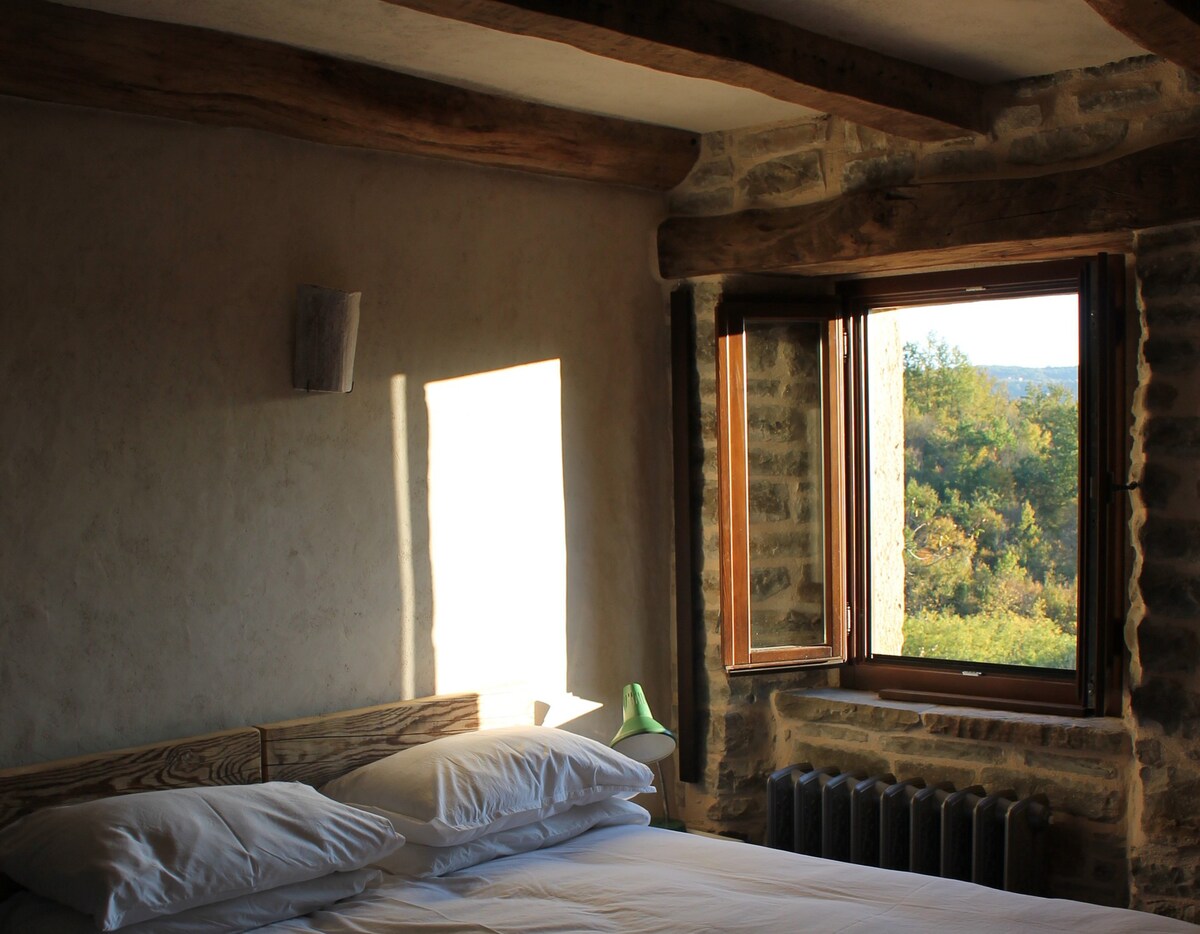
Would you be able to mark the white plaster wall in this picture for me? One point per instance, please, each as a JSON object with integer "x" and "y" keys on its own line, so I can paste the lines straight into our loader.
{"x": 186, "y": 544}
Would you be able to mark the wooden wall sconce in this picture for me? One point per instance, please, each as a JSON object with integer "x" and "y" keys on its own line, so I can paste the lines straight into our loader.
{"x": 326, "y": 335}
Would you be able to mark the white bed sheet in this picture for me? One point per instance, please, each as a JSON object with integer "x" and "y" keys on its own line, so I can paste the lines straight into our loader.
{"x": 637, "y": 880}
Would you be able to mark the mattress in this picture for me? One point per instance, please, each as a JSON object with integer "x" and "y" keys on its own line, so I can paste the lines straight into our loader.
{"x": 641, "y": 879}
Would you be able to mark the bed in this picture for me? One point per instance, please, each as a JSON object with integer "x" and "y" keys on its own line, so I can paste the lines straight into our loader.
{"x": 614, "y": 875}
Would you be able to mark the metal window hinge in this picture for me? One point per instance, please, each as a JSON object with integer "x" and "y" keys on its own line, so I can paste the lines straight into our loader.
{"x": 847, "y": 619}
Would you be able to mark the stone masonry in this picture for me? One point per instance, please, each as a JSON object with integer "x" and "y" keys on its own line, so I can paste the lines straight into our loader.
{"x": 1125, "y": 792}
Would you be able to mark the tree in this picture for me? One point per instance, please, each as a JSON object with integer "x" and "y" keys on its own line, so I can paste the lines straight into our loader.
{"x": 990, "y": 514}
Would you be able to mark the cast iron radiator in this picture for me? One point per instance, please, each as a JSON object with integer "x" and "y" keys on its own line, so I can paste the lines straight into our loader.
{"x": 993, "y": 839}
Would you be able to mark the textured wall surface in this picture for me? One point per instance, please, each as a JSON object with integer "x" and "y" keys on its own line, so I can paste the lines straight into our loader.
{"x": 188, "y": 544}
{"x": 1126, "y": 828}
{"x": 1164, "y": 629}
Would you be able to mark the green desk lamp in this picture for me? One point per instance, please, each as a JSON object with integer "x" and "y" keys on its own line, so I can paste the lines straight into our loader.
{"x": 644, "y": 739}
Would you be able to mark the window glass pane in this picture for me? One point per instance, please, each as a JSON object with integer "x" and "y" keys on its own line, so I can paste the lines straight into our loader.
{"x": 785, "y": 467}
{"x": 973, "y": 427}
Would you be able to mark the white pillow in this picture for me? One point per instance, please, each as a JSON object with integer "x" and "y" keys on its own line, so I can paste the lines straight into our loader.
{"x": 32, "y": 914}
{"x": 135, "y": 857}
{"x": 418, "y": 862}
{"x": 458, "y": 788}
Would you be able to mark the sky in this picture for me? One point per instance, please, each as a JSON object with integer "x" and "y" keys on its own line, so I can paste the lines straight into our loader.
{"x": 1033, "y": 332}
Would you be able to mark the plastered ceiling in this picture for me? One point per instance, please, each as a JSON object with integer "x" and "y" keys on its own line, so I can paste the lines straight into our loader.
{"x": 988, "y": 40}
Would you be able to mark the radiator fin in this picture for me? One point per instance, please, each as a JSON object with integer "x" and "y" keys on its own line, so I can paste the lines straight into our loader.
{"x": 994, "y": 839}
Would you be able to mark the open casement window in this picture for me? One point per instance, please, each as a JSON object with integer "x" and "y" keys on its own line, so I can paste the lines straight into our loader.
{"x": 781, "y": 465}
{"x": 925, "y": 483}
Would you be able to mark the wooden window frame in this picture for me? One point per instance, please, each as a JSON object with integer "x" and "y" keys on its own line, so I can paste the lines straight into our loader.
{"x": 737, "y": 649}
{"x": 1094, "y": 687}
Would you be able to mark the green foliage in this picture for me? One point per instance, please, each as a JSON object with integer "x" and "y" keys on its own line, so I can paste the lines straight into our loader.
{"x": 1008, "y": 638}
{"x": 991, "y": 515}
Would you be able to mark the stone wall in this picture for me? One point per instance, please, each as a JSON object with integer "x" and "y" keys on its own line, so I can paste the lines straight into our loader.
{"x": 1077, "y": 117}
{"x": 1081, "y": 767}
{"x": 785, "y": 488}
{"x": 1126, "y": 828}
{"x": 1164, "y": 626}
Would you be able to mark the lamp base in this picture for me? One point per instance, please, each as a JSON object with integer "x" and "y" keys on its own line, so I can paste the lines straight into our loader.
{"x": 668, "y": 823}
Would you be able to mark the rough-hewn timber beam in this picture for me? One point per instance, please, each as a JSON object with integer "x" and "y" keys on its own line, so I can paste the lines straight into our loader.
{"x": 707, "y": 39}
{"x": 945, "y": 223}
{"x": 1170, "y": 28}
{"x": 76, "y": 56}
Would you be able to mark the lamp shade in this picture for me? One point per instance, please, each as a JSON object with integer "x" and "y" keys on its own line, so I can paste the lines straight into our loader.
{"x": 641, "y": 737}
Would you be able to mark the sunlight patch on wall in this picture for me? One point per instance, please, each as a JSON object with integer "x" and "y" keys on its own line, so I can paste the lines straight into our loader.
{"x": 404, "y": 538}
{"x": 498, "y": 533}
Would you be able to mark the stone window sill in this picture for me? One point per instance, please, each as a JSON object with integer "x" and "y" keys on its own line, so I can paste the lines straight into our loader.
{"x": 1106, "y": 736}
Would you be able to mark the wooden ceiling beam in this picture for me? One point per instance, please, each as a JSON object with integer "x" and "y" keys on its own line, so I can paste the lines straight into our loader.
{"x": 1169, "y": 28}
{"x": 946, "y": 223}
{"x": 708, "y": 39}
{"x": 92, "y": 59}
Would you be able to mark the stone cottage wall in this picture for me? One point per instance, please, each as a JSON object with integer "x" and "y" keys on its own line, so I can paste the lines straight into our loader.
{"x": 1125, "y": 799}
{"x": 1164, "y": 627}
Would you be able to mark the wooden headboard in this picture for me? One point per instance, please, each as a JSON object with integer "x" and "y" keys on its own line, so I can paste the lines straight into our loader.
{"x": 231, "y": 757}
{"x": 313, "y": 750}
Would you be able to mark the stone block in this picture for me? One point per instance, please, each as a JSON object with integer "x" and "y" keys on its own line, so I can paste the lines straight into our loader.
{"x": 922, "y": 748}
{"x": 713, "y": 173}
{"x": 1162, "y": 276}
{"x": 1067, "y": 143}
{"x": 1163, "y": 700}
{"x": 858, "y": 138}
{"x": 1169, "y": 810}
{"x": 842, "y": 734}
{"x": 1173, "y": 434}
{"x": 782, "y": 544}
{"x": 763, "y": 388}
{"x": 858, "y": 761}
{"x": 952, "y": 162}
{"x": 957, "y": 775}
{"x": 1175, "y": 122}
{"x": 1159, "y": 399}
{"x": 782, "y": 139}
{"x": 788, "y": 463}
{"x": 703, "y": 203}
{"x": 782, "y": 178}
{"x": 1075, "y": 765}
{"x": 1099, "y": 735}
{"x": 1191, "y": 82}
{"x": 766, "y": 582}
{"x": 1110, "y": 99}
{"x": 1149, "y": 752}
{"x": 879, "y": 172}
{"x": 1171, "y": 355}
{"x": 1021, "y": 117}
{"x": 1173, "y": 314}
{"x": 1168, "y": 592}
{"x": 1121, "y": 66}
{"x": 1164, "y": 238}
{"x": 1090, "y": 799}
{"x": 1167, "y": 648}
{"x": 1171, "y": 539}
{"x": 1159, "y": 482}
{"x": 775, "y": 424}
{"x": 850, "y": 707}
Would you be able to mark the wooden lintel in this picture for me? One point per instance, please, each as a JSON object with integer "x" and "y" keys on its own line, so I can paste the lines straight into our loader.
{"x": 84, "y": 57}
{"x": 945, "y": 223}
{"x": 708, "y": 39}
{"x": 1164, "y": 27}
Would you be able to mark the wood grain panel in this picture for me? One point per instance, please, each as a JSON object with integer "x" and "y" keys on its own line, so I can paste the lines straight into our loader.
{"x": 318, "y": 749}
{"x": 717, "y": 42}
{"x": 93, "y": 59}
{"x": 939, "y": 224}
{"x": 231, "y": 757}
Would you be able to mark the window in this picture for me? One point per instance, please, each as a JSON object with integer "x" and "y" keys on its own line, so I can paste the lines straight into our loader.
{"x": 921, "y": 484}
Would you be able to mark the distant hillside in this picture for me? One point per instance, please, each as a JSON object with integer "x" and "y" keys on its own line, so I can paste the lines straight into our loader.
{"x": 1018, "y": 380}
